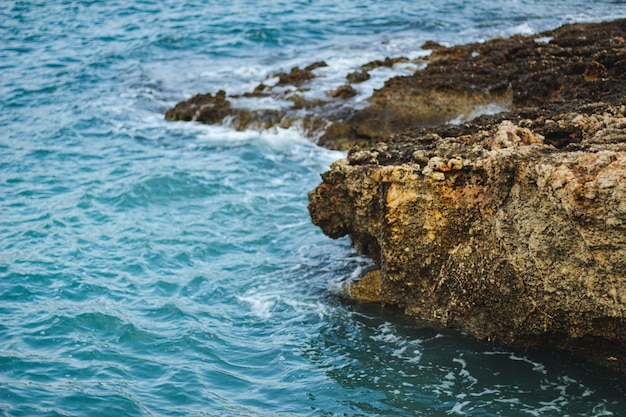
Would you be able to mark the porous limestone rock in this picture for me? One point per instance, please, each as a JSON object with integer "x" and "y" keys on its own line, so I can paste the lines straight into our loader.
{"x": 498, "y": 233}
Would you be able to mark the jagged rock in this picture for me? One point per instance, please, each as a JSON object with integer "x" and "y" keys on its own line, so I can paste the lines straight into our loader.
{"x": 209, "y": 109}
{"x": 499, "y": 232}
{"x": 300, "y": 102}
{"x": 204, "y": 108}
{"x": 260, "y": 90}
{"x": 580, "y": 63}
{"x": 367, "y": 288}
{"x": 343, "y": 92}
{"x": 315, "y": 65}
{"x": 358, "y": 76}
{"x": 432, "y": 45}
{"x": 387, "y": 62}
{"x": 296, "y": 76}
{"x": 572, "y": 65}
{"x": 364, "y": 75}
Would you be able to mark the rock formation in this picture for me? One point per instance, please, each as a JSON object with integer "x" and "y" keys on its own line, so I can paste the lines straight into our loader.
{"x": 570, "y": 65}
{"x": 497, "y": 233}
{"x": 574, "y": 64}
{"x": 510, "y": 227}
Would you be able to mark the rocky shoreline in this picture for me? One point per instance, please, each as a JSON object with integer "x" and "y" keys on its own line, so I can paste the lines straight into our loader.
{"x": 498, "y": 234}
{"x": 510, "y": 226}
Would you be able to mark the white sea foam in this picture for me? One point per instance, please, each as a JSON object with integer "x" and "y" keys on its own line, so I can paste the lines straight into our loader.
{"x": 260, "y": 305}
{"x": 524, "y": 29}
{"x": 537, "y": 367}
{"x": 464, "y": 372}
{"x": 304, "y": 309}
{"x": 357, "y": 266}
{"x": 543, "y": 39}
{"x": 487, "y": 109}
{"x": 486, "y": 391}
{"x": 458, "y": 408}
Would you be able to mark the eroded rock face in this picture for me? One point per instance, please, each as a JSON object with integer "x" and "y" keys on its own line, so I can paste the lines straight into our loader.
{"x": 510, "y": 226}
{"x": 497, "y": 231}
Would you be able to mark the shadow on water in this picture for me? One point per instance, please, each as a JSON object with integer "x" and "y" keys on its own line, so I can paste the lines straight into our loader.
{"x": 393, "y": 364}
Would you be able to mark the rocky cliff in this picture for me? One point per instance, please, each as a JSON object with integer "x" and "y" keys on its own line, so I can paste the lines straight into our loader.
{"x": 497, "y": 233}
{"x": 510, "y": 227}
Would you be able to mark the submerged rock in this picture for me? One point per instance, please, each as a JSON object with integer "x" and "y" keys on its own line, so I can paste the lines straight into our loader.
{"x": 498, "y": 232}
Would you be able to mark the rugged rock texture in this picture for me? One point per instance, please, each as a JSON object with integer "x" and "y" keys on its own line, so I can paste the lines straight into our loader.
{"x": 574, "y": 64}
{"x": 580, "y": 63}
{"x": 218, "y": 109}
{"x": 510, "y": 226}
{"x": 498, "y": 233}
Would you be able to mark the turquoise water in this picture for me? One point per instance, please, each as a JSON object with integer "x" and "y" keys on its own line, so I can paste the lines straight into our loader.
{"x": 150, "y": 268}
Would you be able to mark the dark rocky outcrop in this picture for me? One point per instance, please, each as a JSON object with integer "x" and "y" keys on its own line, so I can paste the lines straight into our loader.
{"x": 568, "y": 66}
{"x": 509, "y": 226}
{"x": 574, "y": 64}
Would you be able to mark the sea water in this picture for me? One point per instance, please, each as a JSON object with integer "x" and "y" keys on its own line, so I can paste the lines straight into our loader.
{"x": 152, "y": 268}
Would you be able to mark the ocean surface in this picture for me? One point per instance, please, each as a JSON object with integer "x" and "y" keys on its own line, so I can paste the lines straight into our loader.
{"x": 154, "y": 268}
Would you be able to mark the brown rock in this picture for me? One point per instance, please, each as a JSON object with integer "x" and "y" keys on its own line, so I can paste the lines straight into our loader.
{"x": 499, "y": 232}
{"x": 343, "y": 92}
{"x": 432, "y": 45}
{"x": 259, "y": 91}
{"x": 315, "y": 65}
{"x": 582, "y": 63}
{"x": 295, "y": 77}
{"x": 202, "y": 108}
{"x": 387, "y": 62}
{"x": 358, "y": 76}
{"x": 368, "y": 288}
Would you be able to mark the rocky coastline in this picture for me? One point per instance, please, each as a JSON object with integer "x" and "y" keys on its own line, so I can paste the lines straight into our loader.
{"x": 508, "y": 226}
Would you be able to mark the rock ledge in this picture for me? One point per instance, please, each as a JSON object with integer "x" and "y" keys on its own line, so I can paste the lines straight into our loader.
{"x": 510, "y": 227}
{"x": 497, "y": 233}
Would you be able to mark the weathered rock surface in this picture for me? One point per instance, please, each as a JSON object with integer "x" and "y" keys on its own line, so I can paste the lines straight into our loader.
{"x": 574, "y": 64}
{"x": 499, "y": 233}
{"x": 218, "y": 109}
{"x": 510, "y": 227}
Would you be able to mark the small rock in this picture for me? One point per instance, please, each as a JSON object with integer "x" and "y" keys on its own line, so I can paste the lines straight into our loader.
{"x": 368, "y": 288}
{"x": 343, "y": 92}
{"x": 358, "y": 76}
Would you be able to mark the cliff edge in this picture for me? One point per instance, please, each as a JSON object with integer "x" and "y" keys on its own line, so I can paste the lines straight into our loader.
{"x": 510, "y": 227}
